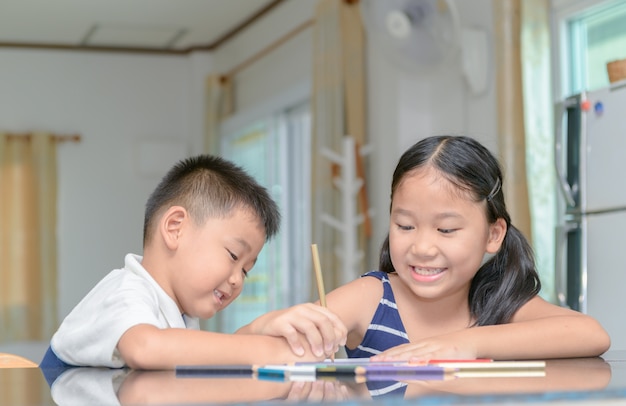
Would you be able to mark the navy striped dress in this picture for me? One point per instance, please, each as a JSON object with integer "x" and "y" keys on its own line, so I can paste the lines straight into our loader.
{"x": 385, "y": 331}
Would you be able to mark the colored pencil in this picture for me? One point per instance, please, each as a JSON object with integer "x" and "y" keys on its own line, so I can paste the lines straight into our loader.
{"x": 494, "y": 365}
{"x": 368, "y": 361}
{"x": 468, "y": 361}
{"x": 402, "y": 373}
{"x": 379, "y": 371}
{"x": 215, "y": 371}
{"x": 496, "y": 369}
{"x": 318, "y": 274}
{"x": 307, "y": 373}
{"x": 400, "y": 369}
{"x": 338, "y": 369}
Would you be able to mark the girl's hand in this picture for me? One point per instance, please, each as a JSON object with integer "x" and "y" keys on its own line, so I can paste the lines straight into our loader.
{"x": 450, "y": 346}
{"x": 301, "y": 324}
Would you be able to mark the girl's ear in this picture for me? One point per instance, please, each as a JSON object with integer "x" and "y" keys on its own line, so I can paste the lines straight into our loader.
{"x": 497, "y": 232}
{"x": 171, "y": 226}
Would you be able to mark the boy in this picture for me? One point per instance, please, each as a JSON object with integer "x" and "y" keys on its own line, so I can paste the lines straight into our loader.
{"x": 204, "y": 226}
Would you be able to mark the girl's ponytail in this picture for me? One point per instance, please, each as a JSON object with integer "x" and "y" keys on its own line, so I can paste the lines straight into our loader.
{"x": 504, "y": 283}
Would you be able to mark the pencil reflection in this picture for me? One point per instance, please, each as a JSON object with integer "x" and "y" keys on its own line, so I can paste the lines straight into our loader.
{"x": 154, "y": 387}
{"x": 131, "y": 387}
{"x": 567, "y": 375}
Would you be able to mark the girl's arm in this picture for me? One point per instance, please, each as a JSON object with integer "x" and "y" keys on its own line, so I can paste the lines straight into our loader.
{"x": 355, "y": 304}
{"x": 539, "y": 330}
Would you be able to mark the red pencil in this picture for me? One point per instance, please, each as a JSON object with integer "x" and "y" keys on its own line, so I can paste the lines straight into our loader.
{"x": 443, "y": 361}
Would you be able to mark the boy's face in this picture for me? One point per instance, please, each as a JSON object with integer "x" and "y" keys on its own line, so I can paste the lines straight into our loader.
{"x": 210, "y": 262}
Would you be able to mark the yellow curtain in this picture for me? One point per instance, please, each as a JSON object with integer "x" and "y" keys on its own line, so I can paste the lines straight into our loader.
{"x": 511, "y": 132}
{"x": 27, "y": 237}
{"x": 338, "y": 105}
{"x": 538, "y": 122}
{"x": 218, "y": 102}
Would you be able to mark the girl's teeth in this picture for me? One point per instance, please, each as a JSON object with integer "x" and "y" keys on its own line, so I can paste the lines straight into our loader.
{"x": 427, "y": 272}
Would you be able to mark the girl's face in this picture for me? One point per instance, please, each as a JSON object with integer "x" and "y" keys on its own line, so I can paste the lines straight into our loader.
{"x": 438, "y": 235}
{"x": 212, "y": 261}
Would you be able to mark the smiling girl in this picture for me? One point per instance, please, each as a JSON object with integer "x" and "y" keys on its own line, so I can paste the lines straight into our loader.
{"x": 456, "y": 278}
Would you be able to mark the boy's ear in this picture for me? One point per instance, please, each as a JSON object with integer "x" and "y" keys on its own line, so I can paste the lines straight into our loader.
{"x": 497, "y": 232}
{"x": 171, "y": 225}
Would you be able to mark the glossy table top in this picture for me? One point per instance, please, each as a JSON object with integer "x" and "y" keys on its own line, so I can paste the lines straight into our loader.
{"x": 580, "y": 381}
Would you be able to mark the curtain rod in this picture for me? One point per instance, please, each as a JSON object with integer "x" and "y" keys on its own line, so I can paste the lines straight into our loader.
{"x": 53, "y": 137}
{"x": 243, "y": 65}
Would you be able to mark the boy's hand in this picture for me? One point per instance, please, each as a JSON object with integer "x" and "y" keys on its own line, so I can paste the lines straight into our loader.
{"x": 307, "y": 322}
{"x": 318, "y": 391}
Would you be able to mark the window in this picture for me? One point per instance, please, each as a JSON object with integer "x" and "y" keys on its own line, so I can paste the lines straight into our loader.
{"x": 590, "y": 34}
{"x": 275, "y": 150}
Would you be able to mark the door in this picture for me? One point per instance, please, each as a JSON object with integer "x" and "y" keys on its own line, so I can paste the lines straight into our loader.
{"x": 602, "y": 159}
{"x": 606, "y": 272}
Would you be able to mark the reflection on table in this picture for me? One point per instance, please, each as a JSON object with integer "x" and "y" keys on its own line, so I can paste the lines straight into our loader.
{"x": 562, "y": 375}
{"x": 588, "y": 378}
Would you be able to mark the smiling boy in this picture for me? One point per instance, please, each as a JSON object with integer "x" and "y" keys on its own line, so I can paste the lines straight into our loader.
{"x": 204, "y": 226}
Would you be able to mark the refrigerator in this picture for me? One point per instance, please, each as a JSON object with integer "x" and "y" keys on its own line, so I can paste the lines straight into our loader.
{"x": 590, "y": 158}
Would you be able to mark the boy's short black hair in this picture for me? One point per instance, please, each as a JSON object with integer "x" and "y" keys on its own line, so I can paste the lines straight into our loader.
{"x": 210, "y": 186}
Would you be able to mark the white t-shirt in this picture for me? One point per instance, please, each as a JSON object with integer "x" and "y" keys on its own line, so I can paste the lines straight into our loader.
{"x": 88, "y": 386}
{"x": 124, "y": 298}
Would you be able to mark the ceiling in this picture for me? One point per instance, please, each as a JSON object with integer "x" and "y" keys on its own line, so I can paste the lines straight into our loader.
{"x": 168, "y": 26}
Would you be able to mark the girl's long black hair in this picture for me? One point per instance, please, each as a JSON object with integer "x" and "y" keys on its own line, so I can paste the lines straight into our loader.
{"x": 509, "y": 279}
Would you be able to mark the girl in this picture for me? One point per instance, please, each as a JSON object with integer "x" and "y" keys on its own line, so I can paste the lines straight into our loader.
{"x": 456, "y": 279}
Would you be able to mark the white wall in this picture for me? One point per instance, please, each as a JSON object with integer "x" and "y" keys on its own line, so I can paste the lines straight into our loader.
{"x": 406, "y": 106}
{"x": 285, "y": 67}
{"x": 122, "y": 105}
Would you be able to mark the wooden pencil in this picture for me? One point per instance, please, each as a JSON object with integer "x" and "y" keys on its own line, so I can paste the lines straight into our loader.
{"x": 320, "y": 280}
{"x": 318, "y": 274}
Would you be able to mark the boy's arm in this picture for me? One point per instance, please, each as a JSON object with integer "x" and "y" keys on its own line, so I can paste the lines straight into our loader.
{"x": 163, "y": 387}
{"x": 148, "y": 347}
{"x": 307, "y": 322}
{"x": 539, "y": 330}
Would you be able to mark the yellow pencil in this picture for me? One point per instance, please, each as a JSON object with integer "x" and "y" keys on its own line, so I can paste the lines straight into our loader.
{"x": 320, "y": 280}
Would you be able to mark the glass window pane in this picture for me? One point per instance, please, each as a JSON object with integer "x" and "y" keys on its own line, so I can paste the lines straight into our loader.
{"x": 297, "y": 223}
{"x": 249, "y": 149}
{"x": 596, "y": 37}
{"x": 276, "y": 152}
